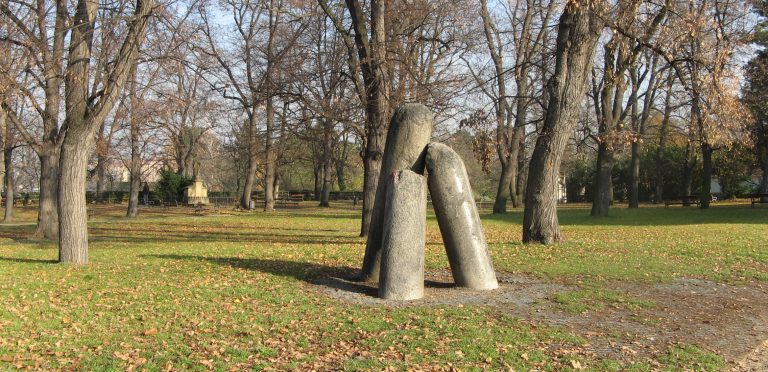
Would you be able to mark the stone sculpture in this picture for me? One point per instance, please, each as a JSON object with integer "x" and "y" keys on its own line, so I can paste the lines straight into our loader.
{"x": 458, "y": 219}
{"x": 409, "y": 133}
{"x": 402, "y": 263}
{"x": 394, "y": 252}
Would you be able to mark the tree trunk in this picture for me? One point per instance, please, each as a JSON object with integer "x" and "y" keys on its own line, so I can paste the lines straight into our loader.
{"x": 521, "y": 173}
{"x": 3, "y": 142}
{"x": 706, "y": 183}
{"x": 100, "y": 178}
{"x": 48, "y": 213}
{"x": 658, "y": 195}
{"x": 687, "y": 182}
{"x": 503, "y": 188}
{"x": 253, "y": 155}
{"x": 135, "y": 187}
{"x": 10, "y": 185}
{"x": 73, "y": 216}
{"x": 327, "y": 163}
{"x": 763, "y": 150}
{"x": 318, "y": 181}
{"x": 601, "y": 199}
{"x": 270, "y": 161}
{"x": 374, "y": 153}
{"x": 634, "y": 161}
{"x": 579, "y": 29}
{"x": 634, "y": 176}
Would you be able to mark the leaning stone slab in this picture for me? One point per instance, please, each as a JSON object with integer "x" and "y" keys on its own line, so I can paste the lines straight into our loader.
{"x": 404, "y": 234}
{"x": 458, "y": 219}
{"x": 409, "y": 133}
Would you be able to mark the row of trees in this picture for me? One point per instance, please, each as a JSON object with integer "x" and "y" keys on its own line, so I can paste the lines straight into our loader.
{"x": 260, "y": 82}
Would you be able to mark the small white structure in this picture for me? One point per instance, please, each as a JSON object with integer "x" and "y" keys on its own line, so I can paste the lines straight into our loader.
{"x": 196, "y": 193}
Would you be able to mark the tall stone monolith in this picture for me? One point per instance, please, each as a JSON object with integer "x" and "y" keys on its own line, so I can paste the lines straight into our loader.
{"x": 458, "y": 219}
{"x": 404, "y": 237}
{"x": 409, "y": 132}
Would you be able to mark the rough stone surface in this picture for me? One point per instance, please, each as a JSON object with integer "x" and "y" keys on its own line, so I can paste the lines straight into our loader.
{"x": 409, "y": 132}
{"x": 404, "y": 234}
{"x": 458, "y": 219}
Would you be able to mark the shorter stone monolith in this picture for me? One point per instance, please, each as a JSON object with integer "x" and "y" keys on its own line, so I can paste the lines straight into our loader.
{"x": 404, "y": 237}
{"x": 458, "y": 219}
{"x": 409, "y": 133}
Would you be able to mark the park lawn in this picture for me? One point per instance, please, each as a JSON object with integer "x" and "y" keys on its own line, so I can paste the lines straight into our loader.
{"x": 178, "y": 291}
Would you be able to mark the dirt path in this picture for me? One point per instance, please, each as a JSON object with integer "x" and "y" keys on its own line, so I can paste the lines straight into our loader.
{"x": 730, "y": 320}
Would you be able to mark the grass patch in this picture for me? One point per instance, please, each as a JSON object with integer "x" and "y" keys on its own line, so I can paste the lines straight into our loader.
{"x": 176, "y": 291}
{"x": 583, "y": 300}
{"x": 692, "y": 358}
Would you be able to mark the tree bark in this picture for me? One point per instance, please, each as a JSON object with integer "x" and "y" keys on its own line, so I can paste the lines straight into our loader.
{"x": 601, "y": 200}
{"x": 763, "y": 156}
{"x": 270, "y": 163}
{"x": 687, "y": 181}
{"x": 577, "y": 37}
{"x": 658, "y": 195}
{"x": 48, "y": 214}
{"x": 253, "y": 156}
{"x": 3, "y": 142}
{"x": 10, "y": 185}
{"x": 327, "y": 163}
{"x": 135, "y": 170}
{"x": 706, "y": 174}
{"x": 73, "y": 216}
{"x": 84, "y": 114}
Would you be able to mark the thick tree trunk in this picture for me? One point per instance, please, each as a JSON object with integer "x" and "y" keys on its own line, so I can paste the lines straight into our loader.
{"x": 252, "y": 166}
{"x": 73, "y": 237}
{"x": 271, "y": 159}
{"x": 601, "y": 199}
{"x": 577, "y": 36}
{"x": 48, "y": 214}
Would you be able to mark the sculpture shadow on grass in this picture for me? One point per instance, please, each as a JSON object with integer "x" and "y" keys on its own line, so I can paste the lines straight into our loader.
{"x": 337, "y": 277}
{"x": 342, "y": 278}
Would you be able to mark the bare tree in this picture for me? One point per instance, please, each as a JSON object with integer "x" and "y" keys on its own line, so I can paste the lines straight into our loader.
{"x": 578, "y": 31}
{"x": 34, "y": 23}
{"x": 249, "y": 75}
{"x": 85, "y": 110}
{"x": 528, "y": 22}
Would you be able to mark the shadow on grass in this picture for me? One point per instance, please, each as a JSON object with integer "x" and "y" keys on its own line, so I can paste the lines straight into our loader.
{"x": 166, "y": 234}
{"x": 338, "y": 277}
{"x": 342, "y": 278}
{"x": 28, "y": 260}
{"x": 620, "y": 215}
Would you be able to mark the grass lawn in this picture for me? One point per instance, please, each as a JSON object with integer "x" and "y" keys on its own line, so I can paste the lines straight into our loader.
{"x": 170, "y": 290}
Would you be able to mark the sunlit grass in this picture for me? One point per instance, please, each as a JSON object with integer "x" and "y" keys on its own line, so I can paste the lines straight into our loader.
{"x": 231, "y": 290}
